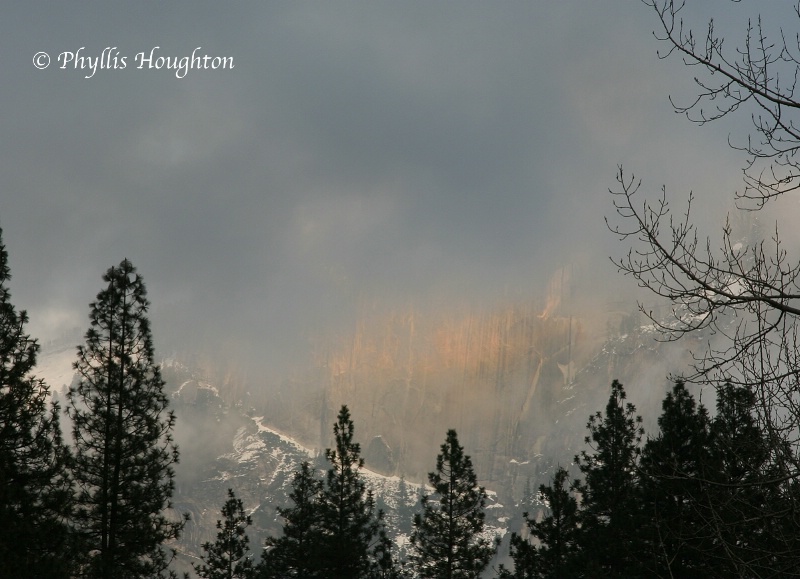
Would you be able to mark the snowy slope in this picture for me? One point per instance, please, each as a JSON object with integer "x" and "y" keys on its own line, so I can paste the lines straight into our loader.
{"x": 54, "y": 366}
{"x": 259, "y": 466}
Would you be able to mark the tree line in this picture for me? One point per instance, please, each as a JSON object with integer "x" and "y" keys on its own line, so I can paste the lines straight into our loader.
{"x": 707, "y": 496}
{"x": 703, "y": 498}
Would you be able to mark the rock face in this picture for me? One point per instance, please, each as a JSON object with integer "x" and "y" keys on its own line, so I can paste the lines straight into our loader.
{"x": 379, "y": 456}
{"x": 518, "y": 384}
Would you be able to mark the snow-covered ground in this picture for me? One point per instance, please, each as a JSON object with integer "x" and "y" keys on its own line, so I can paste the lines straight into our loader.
{"x": 54, "y": 366}
{"x": 263, "y": 444}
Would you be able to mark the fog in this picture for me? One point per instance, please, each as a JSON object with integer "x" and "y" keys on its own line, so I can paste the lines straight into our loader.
{"x": 359, "y": 159}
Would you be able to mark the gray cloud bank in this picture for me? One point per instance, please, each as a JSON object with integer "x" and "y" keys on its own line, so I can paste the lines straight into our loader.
{"x": 409, "y": 152}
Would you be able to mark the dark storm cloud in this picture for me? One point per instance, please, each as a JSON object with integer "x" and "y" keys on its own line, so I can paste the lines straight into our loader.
{"x": 357, "y": 150}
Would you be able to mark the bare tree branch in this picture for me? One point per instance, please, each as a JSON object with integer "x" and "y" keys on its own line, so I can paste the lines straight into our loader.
{"x": 750, "y": 76}
{"x": 737, "y": 299}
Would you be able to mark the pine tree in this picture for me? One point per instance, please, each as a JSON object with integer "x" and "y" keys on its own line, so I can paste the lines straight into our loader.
{"x": 351, "y": 543}
{"x": 525, "y": 557}
{"x": 674, "y": 492}
{"x": 558, "y": 532}
{"x": 382, "y": 561}
{"x": 557, "y": 535}
{"x": 124, "y": 452}
{"x": 227, "y": 557}
{"x": 35, "y": 491}
{"x": 610, "y": 508}
{"x": 333, "y": 530}
{"x": 295, "y": 553}
{"x": 717, "y": 505}
{"x": 448, "y": 537}
{"x": 521, "y": 550}
{"x": 753, "y": 500}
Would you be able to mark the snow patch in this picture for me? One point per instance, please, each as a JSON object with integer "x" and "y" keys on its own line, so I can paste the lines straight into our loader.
{"x": 285, "y": 439}
{"x": 55, "y": 368}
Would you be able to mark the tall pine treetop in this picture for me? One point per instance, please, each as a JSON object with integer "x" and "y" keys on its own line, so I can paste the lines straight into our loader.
{"x": 124, "y": 450}
{"x": 448, "y": 536}
{"x": 228, "y": 557}
{"x": 297, "y": 552}
{"x": 350, "y": 525}
{"x": 346, "y": 449}
{"x": 610, "y": 470}
{"x": 118, "y": 314}
{"x": 333, "y": 530}
{"x": 611, "y": 507}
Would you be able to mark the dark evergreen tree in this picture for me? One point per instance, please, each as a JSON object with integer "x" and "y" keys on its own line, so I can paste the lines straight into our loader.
{"x": 716, "y": 503}
{"x": 351, "y": 543}
{"x": 295, "y": 553}
{"x": 448, "y": 537}
{"x": 35, "y": 491}
{"x": 557, "y": 536}
{"x": 124, "y": 452}
{"x": 227, "y": 557}
{"x": 610, "y": 513}
{"x": 383, "y": 564}
{"x": 753, "y": 500}
{"x": 525, "y": 557}
{"x": 558, "y": 532}
{"x": 674, "y": 466}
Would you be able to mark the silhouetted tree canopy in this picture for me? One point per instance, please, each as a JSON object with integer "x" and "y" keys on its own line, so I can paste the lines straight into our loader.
{"x": 35, "y": 489}
{"x": 124, "y": 453}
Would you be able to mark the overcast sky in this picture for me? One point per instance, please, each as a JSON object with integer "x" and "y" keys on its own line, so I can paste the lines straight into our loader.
{"x": 405, "y": 152}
